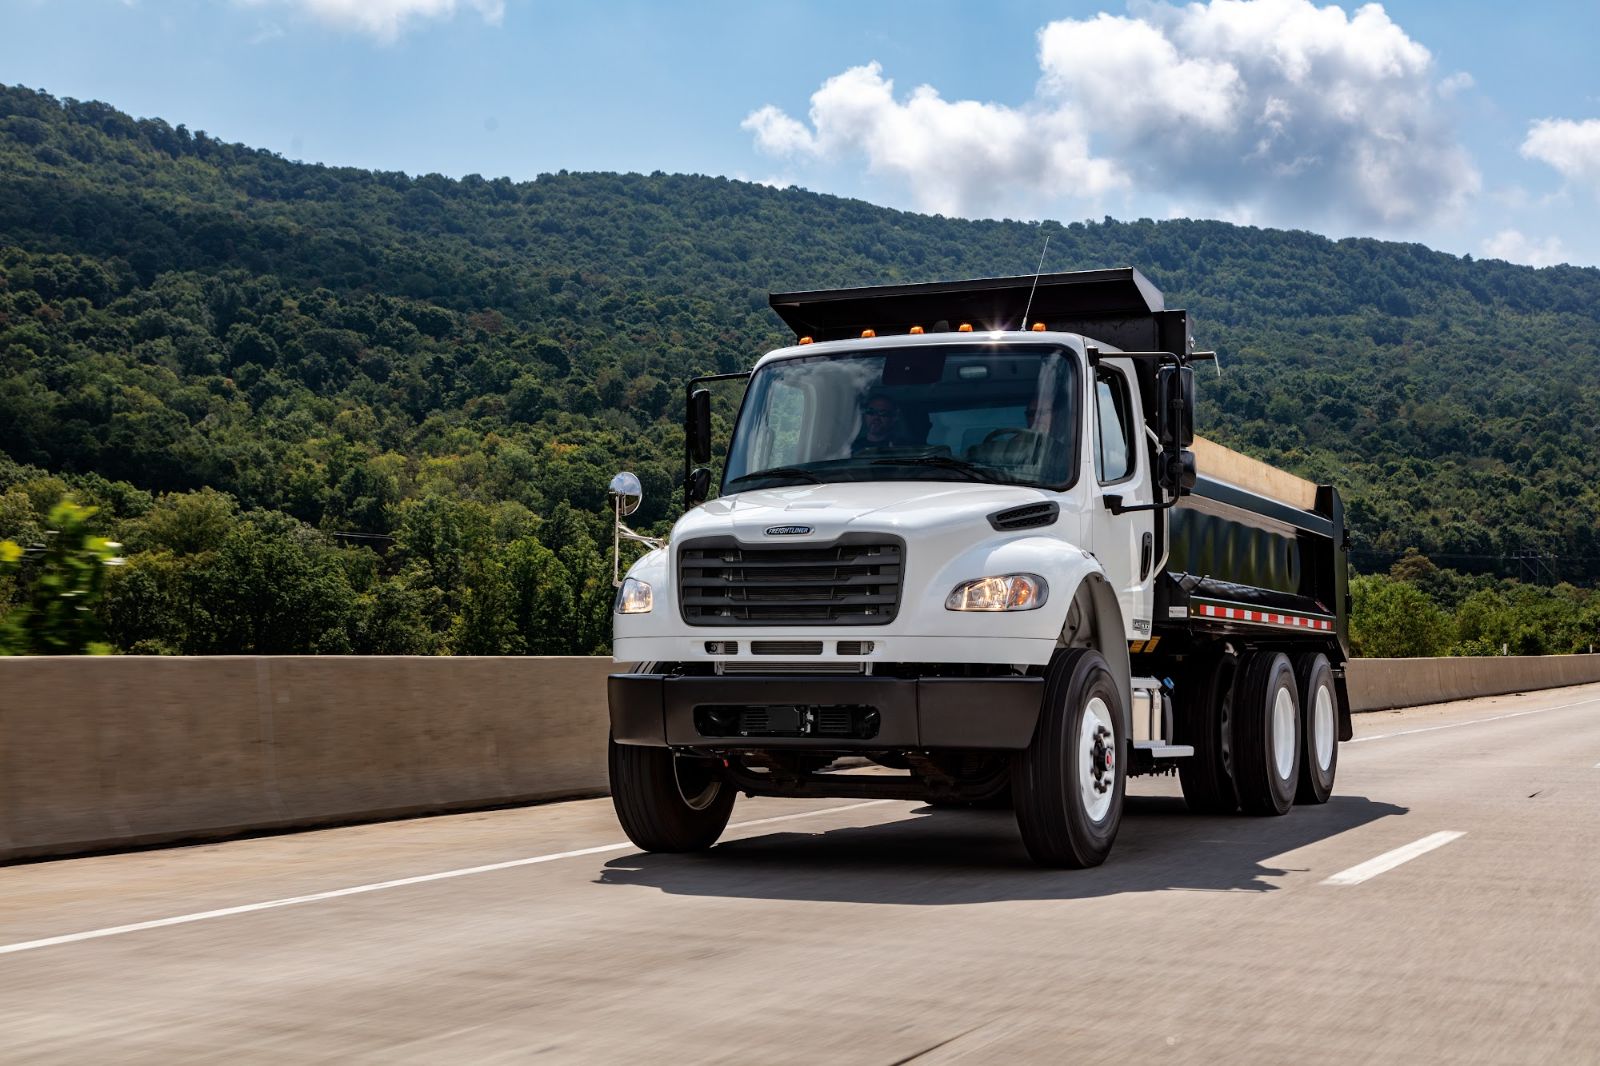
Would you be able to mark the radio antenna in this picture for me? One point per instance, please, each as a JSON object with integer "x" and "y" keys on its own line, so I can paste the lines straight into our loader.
{"x": 1035, "y": 286}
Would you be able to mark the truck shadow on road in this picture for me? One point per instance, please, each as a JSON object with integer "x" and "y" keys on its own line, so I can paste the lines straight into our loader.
{"x": 943, "y": 857}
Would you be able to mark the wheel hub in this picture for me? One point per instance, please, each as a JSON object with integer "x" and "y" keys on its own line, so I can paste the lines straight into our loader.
{"x": 1102, "y": 760}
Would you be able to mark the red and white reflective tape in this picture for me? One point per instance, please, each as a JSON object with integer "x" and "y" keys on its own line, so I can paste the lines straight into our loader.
{"x": 1271, "y": 618}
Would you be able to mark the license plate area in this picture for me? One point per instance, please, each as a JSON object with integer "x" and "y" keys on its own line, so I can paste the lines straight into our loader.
{"x": 788, "y": 720}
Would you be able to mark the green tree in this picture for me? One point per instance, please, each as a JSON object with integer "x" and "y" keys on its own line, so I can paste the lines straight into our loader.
{"x": 61, "y": 584}
{"x": 1392, "y": 619}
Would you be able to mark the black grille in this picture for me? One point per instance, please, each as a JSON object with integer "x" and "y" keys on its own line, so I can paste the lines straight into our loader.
{"x": 1028, "y": 516}
{"x": 852, "y": 582}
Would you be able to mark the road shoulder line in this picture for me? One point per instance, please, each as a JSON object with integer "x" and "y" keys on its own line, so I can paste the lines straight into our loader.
{"x": 1475, "y": 721}
{"x": 378, "y": 886}
{"x": 1366, "y": 871}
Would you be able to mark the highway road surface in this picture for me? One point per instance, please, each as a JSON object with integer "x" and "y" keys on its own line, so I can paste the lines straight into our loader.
{"x": 1443, "y": 907}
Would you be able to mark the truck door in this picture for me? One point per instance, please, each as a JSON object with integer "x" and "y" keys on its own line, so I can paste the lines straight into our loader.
{"x": 1125, "y": 543}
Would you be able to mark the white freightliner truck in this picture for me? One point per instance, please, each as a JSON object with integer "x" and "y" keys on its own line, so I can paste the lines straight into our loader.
{"x": 965, "y": 531}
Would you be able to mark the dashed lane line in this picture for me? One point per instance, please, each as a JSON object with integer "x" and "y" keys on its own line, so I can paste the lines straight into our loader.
{"x": 402, "y": 882}
{"x": 1366, "y": 871}
{"x": 1475, "y": 721}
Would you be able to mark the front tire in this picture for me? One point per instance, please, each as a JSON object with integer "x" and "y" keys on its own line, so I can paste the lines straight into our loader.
{"x": 1068, "y": 783}
{"x": 667, "y": 802}
{"x": 1266, "y": 735}
{"x": 1319, "y": 709}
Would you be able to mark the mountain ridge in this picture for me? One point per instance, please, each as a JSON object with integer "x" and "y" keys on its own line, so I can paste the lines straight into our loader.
{"x": 339, "y": 344}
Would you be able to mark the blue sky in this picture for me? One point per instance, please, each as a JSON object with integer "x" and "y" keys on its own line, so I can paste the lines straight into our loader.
{"x": 1472, "y": 127}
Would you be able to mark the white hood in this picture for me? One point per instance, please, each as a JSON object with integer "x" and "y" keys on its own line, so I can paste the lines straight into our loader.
{"x": 828, "y": 511}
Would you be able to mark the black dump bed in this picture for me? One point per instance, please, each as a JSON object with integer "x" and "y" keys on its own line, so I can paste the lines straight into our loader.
{"x": 1255, "y": 552}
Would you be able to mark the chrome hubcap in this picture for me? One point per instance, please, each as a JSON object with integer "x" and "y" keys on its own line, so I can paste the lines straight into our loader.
{"x": 1097, "y": 754}
{"x": 1323, "y": 727}
{"x": 1283, "y": 733}
{"x": 697, "y": 788}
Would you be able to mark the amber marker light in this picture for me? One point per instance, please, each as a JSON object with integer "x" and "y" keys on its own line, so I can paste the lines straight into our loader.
{"x": 917, "y": 331}
{"x": 1038, "y": 327}
{"x": 805, "y": 340}
{"x": 965, "y": 327}
{"x": 869, "y": 333}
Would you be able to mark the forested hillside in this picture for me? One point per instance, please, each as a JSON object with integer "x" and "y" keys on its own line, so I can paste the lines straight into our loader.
{"x": 336, "y": 410}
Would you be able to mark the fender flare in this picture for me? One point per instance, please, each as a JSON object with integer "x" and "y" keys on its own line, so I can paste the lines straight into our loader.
{"x": 1094, "y": 620}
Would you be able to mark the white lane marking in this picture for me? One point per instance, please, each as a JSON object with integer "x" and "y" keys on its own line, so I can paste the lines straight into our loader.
{"x": 1390, "y": 859}
{"x": 1475, "y": 721}
{"x": 354, "y": 890}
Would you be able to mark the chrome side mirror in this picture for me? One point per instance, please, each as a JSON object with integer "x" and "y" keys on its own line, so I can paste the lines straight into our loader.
{"x": 626, "y": 496}
{"x": 626, "y": 493}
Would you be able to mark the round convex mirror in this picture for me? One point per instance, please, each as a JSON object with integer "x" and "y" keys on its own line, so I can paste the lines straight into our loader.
{"x": 628, "y": 493}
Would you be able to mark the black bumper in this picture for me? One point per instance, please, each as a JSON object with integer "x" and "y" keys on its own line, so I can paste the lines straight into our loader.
{"x": 658, "y": 710}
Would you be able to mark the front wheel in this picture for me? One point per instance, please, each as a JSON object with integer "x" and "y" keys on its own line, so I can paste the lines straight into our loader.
{"x": 1068, "y": 783}
{"x": 665, "y": 801}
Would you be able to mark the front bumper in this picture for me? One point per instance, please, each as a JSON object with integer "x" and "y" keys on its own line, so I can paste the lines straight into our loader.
{"x": 658, "y": 710}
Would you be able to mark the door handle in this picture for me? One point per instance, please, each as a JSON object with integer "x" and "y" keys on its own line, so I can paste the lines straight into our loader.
{"x": 1146, "y": 550}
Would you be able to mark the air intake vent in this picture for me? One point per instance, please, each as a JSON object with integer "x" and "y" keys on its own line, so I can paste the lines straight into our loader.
{"x": 786, "y": 647}
{"x": 853, "y": 721}
{"x": 1028, "y": 516}
{"x": 855, "y": 581}
{"x": 854, "y": 647}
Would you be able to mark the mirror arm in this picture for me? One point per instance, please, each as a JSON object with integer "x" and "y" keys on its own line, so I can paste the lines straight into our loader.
{"x": 639, "y": 538}
{"x": 1114, "y": 505}
{"x": 620, "y": 533}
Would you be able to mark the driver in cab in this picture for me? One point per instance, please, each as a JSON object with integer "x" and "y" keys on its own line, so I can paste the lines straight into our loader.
{"x": 880, "y": 426}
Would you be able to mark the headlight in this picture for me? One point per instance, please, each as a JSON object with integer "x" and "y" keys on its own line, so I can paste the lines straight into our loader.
{"x": 1009, "y": 592}
{"x": 634, "y": 597}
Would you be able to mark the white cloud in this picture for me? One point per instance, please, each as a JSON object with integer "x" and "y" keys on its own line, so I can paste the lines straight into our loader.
{"x": 1271, "y": 109}
{"x": 777, "y": 133}
{"x": 385, "y": 20}
{"x": 956, "y": 156}
{"x": 1572, "y": 148}
{"x": 1514, "y": 247}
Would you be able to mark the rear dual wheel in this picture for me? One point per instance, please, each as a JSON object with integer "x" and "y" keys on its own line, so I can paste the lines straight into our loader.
{"x": 1267, "y": 735}
{"x": 1204, "y": 721}
{"x": 1319, "y": 708}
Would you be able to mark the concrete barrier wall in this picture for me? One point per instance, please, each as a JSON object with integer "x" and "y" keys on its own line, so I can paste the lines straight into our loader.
{"x": 1379, "y": 684}
{"x": 101, "y": 753}
{"x": 111, "y": 752}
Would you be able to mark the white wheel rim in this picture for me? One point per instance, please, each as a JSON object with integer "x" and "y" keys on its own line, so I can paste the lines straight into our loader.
{"x": 1283, "y": 733}
{"x": 1096, "y": 789}
{"x": 700, "y": 800}
{"x": 1322, "y": 727}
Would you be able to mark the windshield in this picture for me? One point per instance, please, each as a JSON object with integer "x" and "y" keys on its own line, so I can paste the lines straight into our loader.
{"x": 934, "y": 413}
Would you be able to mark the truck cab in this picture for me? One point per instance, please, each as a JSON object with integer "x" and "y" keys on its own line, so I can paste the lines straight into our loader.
{"x": 940, "y": 538}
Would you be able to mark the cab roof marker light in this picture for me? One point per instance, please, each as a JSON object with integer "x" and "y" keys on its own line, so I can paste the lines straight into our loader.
{"x": 917, "y": 331}
{"x": 965, "y": 327}
{"x": 806, "y": 340}
{"x": 1038, "y": 327}
{"x": 869, "y": 333}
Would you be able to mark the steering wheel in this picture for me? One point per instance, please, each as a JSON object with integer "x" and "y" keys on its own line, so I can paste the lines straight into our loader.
{"x": 1007, "y": 433}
